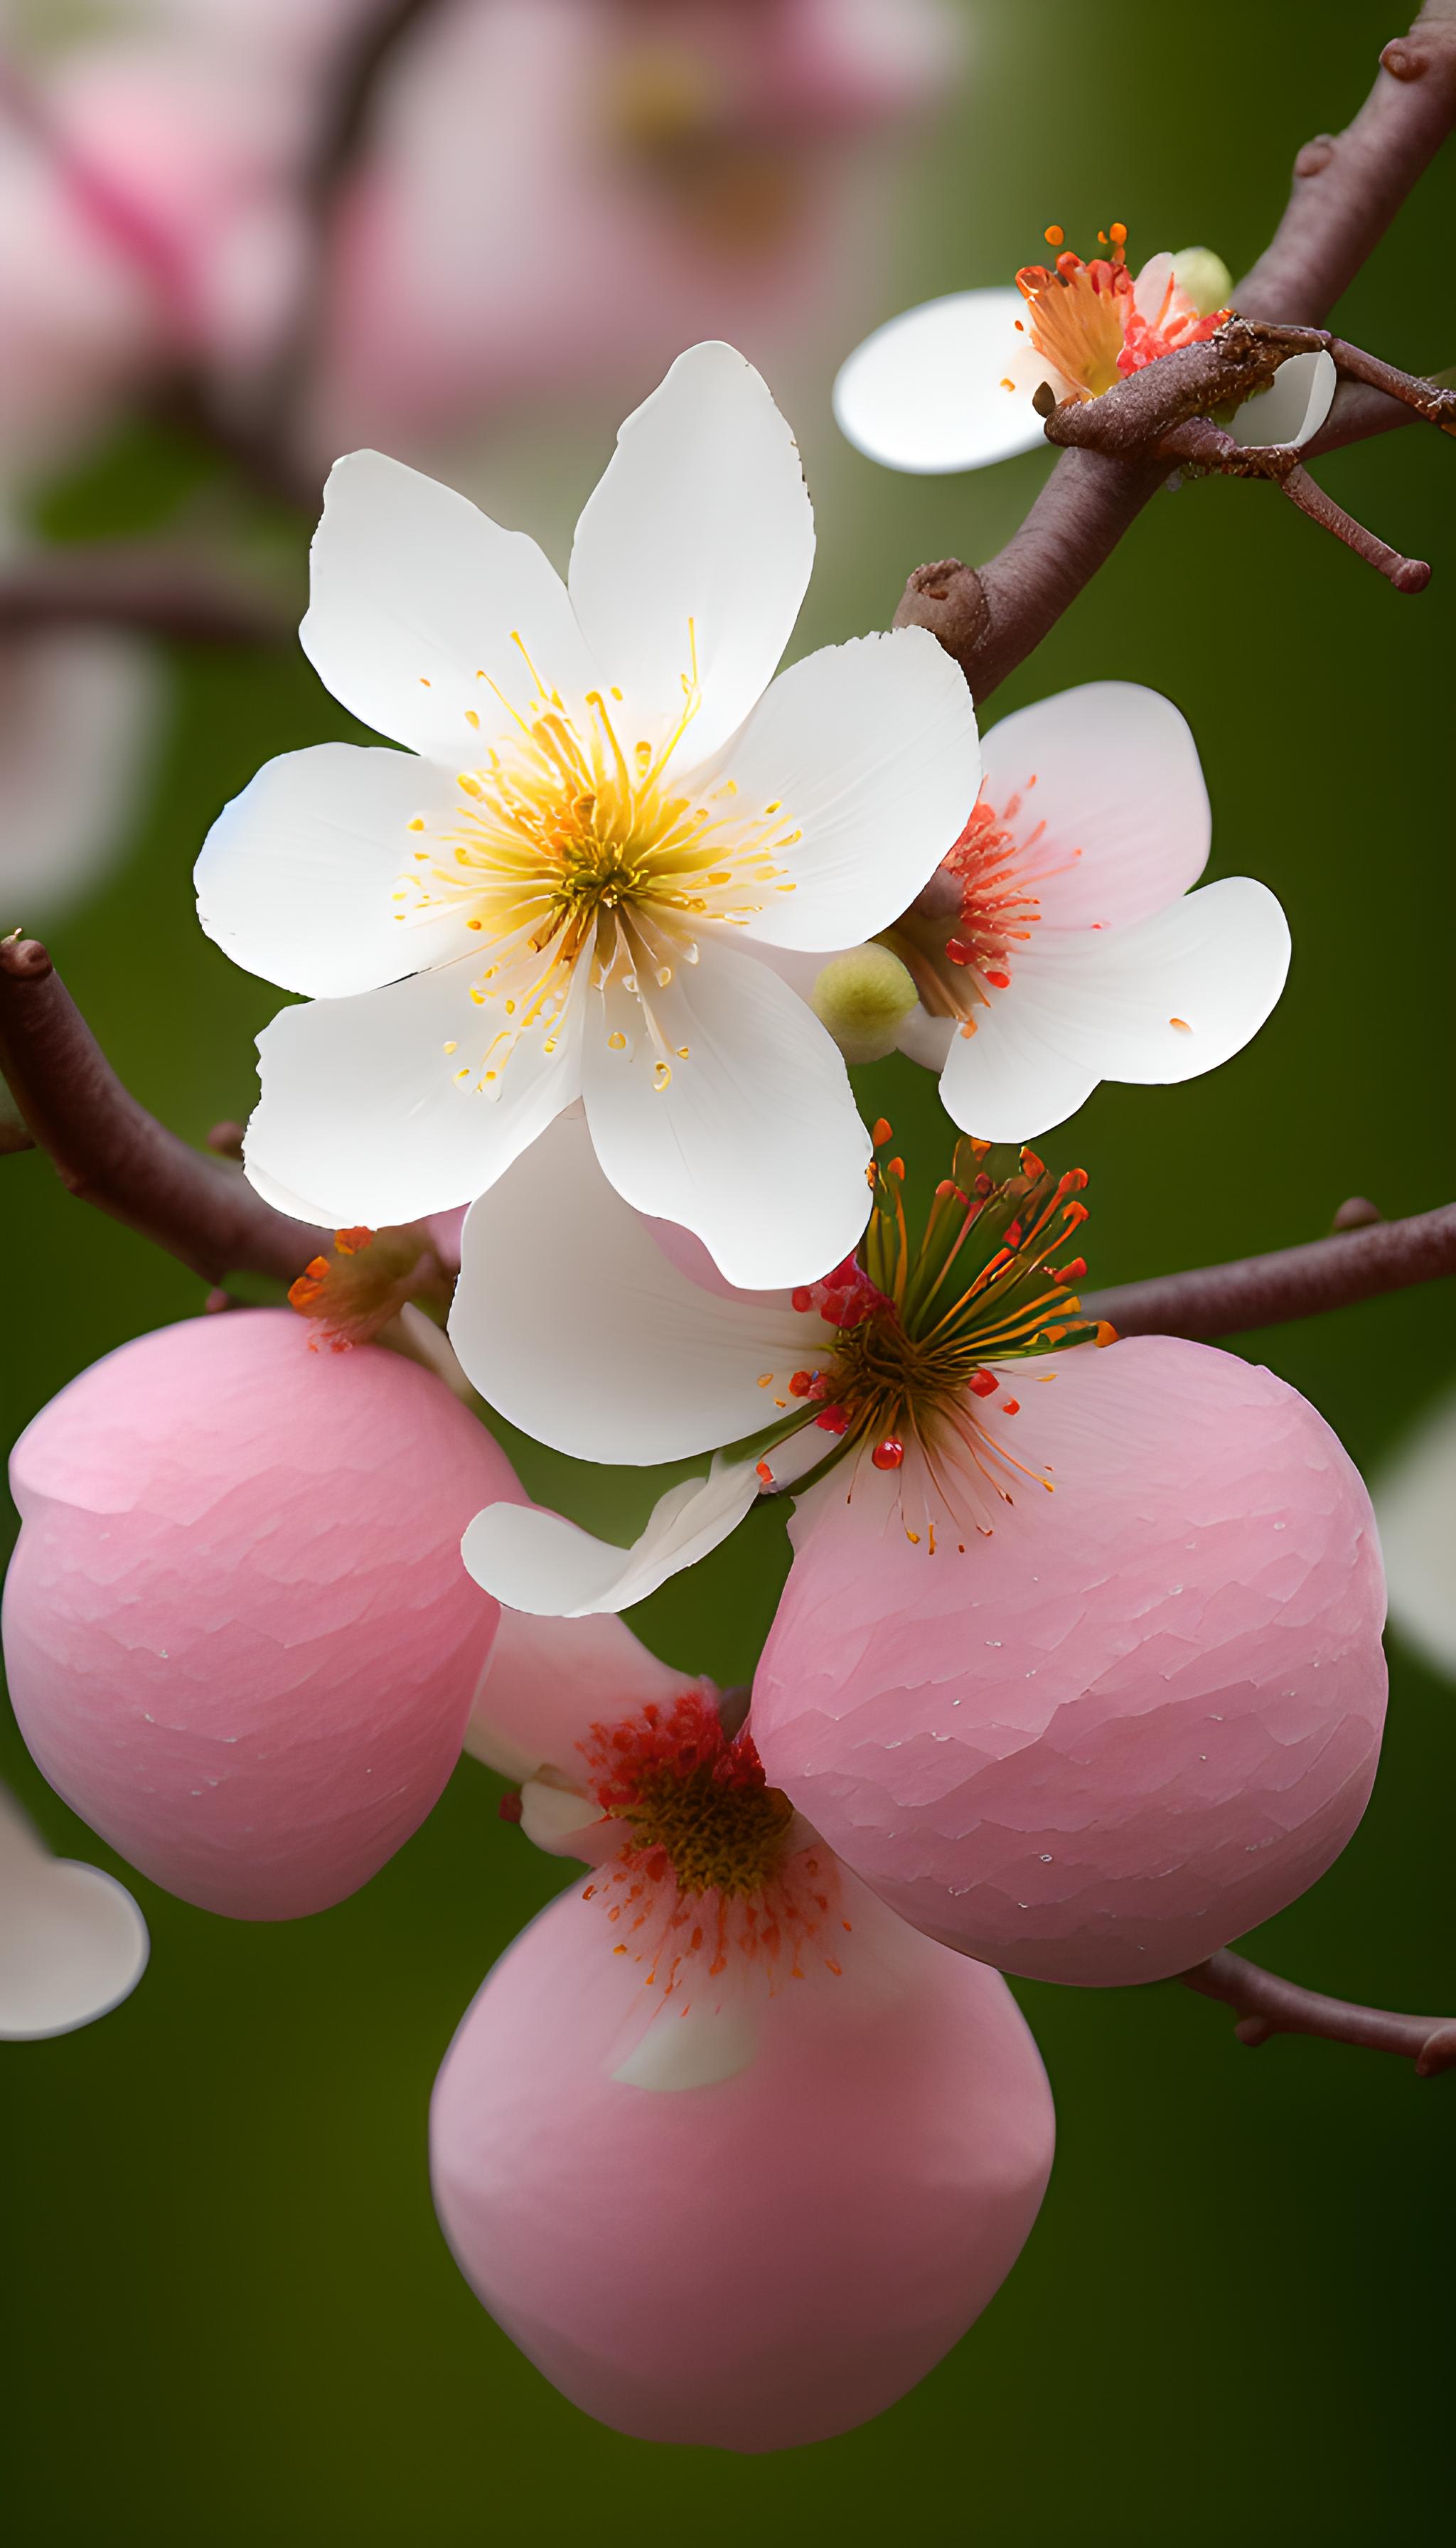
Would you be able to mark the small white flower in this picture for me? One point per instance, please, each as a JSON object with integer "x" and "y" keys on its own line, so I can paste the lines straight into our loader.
{"x": 1060, "y": 945}
{"x": 72, "y": 1942}
{"x": 950, "y": 384}
{"x": 614, "y": 805}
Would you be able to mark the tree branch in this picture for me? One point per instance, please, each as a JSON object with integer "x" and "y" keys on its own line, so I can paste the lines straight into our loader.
{"x": 1346, "y": 192}
{"x": 1357, "y": 1264}
{"x": 1349, "y": 188}
{"x": 109, "y": 1151}
{"x": 1268, "y": 2005}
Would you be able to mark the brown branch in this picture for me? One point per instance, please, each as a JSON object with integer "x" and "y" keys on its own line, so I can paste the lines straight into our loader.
{"x": 1357, "y": 1264}
{"x": 1349, "y": 188}
{"x": 1346, "y": 192}
{"x": 109, "y": 1151}
{"x": 117, "y": 586}
{"x": 1268, "y": 2005}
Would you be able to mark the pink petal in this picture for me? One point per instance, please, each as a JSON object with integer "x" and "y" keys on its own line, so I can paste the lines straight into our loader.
{"x": 765, "y": 2259}
{"x": 1112, "y": 772}
{"x": 239, "y": 1634}
{"x": 1136, "y": 1720}
{"x": 548, "y": 1682}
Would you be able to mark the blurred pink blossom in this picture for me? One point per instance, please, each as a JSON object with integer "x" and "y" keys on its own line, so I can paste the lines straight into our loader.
{"x": 556, "y": 193}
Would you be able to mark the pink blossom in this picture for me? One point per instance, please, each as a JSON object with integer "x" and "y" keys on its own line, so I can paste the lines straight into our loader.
{"x": 238, "y": 1637}
{"x": 551, "y": 191}
{"x": 733, "y": 2166}
{"x": 1141, "y": 1717}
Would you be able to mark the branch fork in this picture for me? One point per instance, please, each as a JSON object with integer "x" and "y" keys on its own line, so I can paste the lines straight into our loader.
{"x": 1167, "y": 411}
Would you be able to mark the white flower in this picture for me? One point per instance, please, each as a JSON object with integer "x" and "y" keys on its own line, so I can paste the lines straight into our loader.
{"x": 1415, "y": 1507}
{"x": 950, "y": 384}
{"x": 595, "y": 1337}
{"x": 72, "y": 1941}
{"x": 1059, "y": 945}
{"x": 613, "y": 804}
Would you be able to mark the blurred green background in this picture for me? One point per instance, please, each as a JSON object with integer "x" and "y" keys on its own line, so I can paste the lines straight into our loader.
{"x": 232, "y": 2313}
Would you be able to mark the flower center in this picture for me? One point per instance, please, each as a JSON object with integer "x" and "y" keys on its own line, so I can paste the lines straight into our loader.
{"x": 1084, "y": 317}
{"x": 570, "y": 848}
{"x": 707, "y": 1873}
{"x": 959, "y": 939}
{"x": 1077, "y": 314}
{"x": 924, "y": 1332}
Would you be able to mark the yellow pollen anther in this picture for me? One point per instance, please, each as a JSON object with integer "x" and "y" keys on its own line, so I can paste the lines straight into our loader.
{"x": 569, "y": 847}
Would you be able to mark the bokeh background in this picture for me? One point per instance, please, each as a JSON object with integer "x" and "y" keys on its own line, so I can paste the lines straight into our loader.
{"x": 231, "y": 2316}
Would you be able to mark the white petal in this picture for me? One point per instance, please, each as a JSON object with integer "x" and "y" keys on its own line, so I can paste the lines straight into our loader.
{"x": 925, "y": 391}
{"x": 1112, "y": 772}
{"x": 695, "y": 2046}
{"x": 297, "y": 875}
{"x": 534, "y": 1561}
{"x": 1151, "y": 286}
{"x": 1415, "y": 1507}
{"x": 416, "y": 594}
{"x": 1171, "y": 997}
{"x": 700, "y": 531}
{"x": 361, "y": 1118}
{"x": 1294, "y": 406}
{"x": 72, "y": 1942}
{"x": 1007, "y": 1082}
{"x": 926, "y": 1039}
{"x": 575, "y": 1325}
{"x": 872, "y": 749}
{"x": 552, "y": 1817}
{"x": 755, "y": 1145}
{"x": 548, "y": 1682}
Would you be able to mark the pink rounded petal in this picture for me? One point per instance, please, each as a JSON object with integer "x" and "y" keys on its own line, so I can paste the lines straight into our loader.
{"x": 766, "y": 2259}
{"x": 1108, "y": 811}
{"x": 239, "y": 1634}
{"x": 1136, "y": 1720}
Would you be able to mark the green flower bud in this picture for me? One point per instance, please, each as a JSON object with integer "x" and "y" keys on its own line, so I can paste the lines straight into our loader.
{"x": 864, "y": 998}
{"x": 1203, "y": 275}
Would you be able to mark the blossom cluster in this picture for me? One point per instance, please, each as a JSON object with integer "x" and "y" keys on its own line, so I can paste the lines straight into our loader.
{"x": 1077, "y": 1672}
